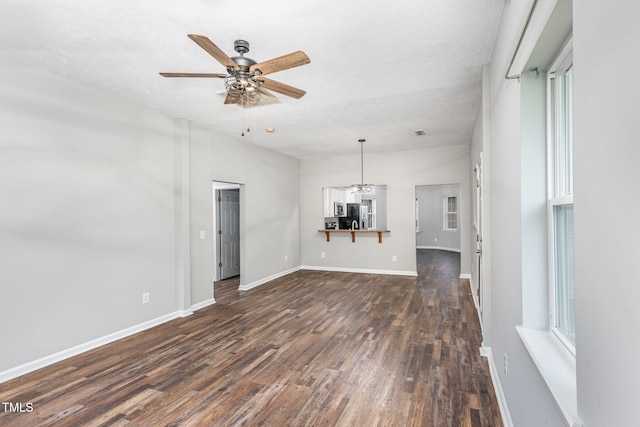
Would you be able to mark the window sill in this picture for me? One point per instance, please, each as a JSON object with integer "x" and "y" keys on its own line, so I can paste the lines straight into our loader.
{"x": 558, "y": 369}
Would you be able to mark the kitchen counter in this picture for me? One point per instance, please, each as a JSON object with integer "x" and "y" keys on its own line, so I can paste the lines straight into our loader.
{"x": 328, "y": 232}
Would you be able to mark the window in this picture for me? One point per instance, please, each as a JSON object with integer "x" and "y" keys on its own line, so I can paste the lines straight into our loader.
{"x": 560, "y": 196}
{"x": 451, "y": 213}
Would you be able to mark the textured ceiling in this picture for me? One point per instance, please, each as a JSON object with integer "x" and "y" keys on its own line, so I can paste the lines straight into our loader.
{"x": 379, "y": 70}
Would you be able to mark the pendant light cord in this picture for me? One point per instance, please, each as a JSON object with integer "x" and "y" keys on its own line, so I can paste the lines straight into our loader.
{"x": 361, "y": 162}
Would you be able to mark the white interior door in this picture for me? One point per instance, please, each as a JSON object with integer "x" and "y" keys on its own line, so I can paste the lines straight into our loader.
{"x": 229, "y": 233}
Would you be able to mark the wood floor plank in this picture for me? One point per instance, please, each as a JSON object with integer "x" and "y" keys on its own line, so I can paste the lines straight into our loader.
{"x": 308, "y": 349}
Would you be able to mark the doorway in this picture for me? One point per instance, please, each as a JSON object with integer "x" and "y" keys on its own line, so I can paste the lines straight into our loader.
{"x": 438, "y": 217}
{"x": 227, "y": 225}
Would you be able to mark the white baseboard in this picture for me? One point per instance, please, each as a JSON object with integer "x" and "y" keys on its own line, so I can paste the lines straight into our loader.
{"x": 28, "y": 367}
{"x": 465, "y": 276}
{"x": 203, "y": 304}
{"x": 497, "y": 386}
{"x": 12, "y": 373}
{"x": 361, "y": 270}
{"x": 267, "y": 279}
{"x": 184, "y": 313}
{"x": 308, "y": 267}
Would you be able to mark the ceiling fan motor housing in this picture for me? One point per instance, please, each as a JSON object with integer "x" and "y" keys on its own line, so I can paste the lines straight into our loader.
{"x": 243, "y": 62}
{"x": 242, "y": 47}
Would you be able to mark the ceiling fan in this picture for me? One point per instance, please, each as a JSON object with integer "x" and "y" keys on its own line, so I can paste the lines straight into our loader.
{"x": 245, "y": 77}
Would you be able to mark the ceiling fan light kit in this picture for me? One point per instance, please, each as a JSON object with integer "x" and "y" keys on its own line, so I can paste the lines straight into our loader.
{"x": 244, "y": 78}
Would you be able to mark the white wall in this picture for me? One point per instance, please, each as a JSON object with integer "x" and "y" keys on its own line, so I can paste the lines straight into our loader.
{"x": 498, "y": 135}
{"x": 269, "y": 208}
{"x": 606, "y": 129}
{"x": 401, "y": 171}
{"x": 480, "y": 157}
{"x": 103, "y": 199}
{"x": 87, "y": 216}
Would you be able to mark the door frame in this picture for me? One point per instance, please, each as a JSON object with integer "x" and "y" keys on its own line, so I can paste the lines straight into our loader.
{"x": 223, "y": 185}
{"x": 478, "y": 224}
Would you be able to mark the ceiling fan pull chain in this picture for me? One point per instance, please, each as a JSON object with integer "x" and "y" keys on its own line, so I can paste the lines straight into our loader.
{"x": 242, "y": 113}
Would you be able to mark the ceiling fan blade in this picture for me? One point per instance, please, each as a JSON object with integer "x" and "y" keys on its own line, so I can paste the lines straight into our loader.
{"x": 206, "y": 75}
{"x": 280, "y": 63}
{"x": 232, "y": 98}
{"x": 281, "y": 88}
{"x": 213, "y": 50}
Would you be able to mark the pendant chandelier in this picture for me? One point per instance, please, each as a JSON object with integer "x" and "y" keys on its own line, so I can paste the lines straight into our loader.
{"x": 362, "y": 187}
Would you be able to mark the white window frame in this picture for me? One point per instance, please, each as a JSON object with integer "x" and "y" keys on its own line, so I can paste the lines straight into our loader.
{"x": 560, "y": 191}
{"x": 447, "y": 213}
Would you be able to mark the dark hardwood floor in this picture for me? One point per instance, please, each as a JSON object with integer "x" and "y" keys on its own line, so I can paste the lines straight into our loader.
{"x": 309, "y": 349}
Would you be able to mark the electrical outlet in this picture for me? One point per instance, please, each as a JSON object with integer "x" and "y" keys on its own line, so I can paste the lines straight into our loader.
{"x": 145, "y": 298}
{"x": 435, "y": 239}
{"x": 394, "y": 258}
{"x": 505, "y": 365}
{"x": 286, "y": 258}
{"x": 322, "y": 254}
